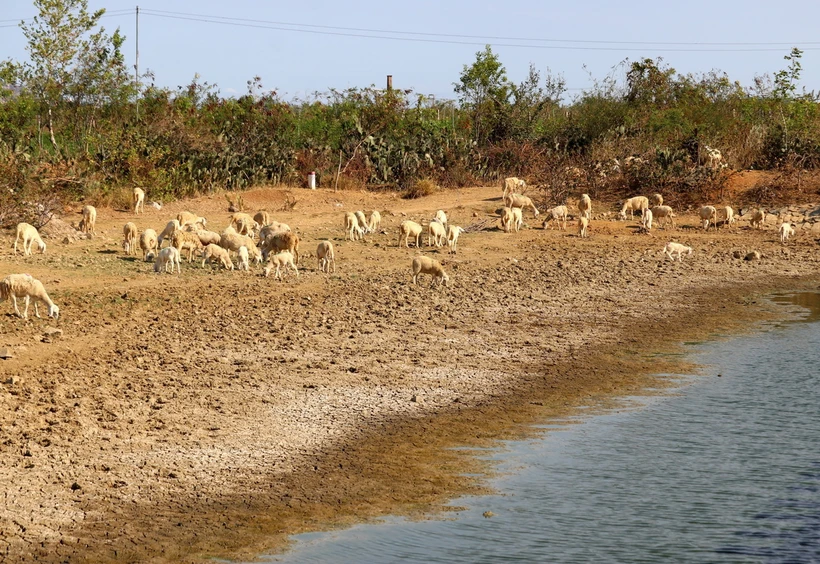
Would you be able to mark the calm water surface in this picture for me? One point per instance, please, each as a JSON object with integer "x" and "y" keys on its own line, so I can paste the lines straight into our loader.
{"x": 725, "y": 470}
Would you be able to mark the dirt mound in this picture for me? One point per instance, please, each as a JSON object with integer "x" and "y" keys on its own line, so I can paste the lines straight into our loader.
{"x": 58, "y": 229}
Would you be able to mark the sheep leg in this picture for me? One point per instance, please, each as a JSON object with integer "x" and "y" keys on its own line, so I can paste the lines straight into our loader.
{"x": 36, "y": 310}
{"x": 16, "y": 309}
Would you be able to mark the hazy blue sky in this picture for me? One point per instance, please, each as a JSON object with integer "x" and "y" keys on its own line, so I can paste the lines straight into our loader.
{"x": 603, "y": 33}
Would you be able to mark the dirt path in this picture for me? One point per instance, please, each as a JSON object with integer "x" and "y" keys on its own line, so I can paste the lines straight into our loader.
{"x": 214, "y": 413}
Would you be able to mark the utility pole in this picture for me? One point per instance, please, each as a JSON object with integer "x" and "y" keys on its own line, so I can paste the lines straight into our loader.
{"x": 137, "y": 64}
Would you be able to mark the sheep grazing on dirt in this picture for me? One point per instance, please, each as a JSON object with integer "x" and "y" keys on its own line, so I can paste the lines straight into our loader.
{"x": 436, "y": 233}
{"x": 279, "y": 260}
{"x": 585, "y": 206}
{"x": 558, "y": 214}
{"x": 583, "y": 227}
{"x": 638, "y": 203}
{"x": 512, "y": 184}
{"x": 233, "y": 241}
{"x": 518, "y": 219}
{"x": 657, "y": 200}
{"x": 148, "y": 243}
{"x": 271, "y": 228}
{"x": 186, "y": 218}
{"x": 26, "y": 286}
{"x": 453, "y": 231}
{"x": 262, "y": 217}
{"x": 247, "y": 226}
{"x": 285, "y": 241}
{"x": 129, "y": 238}
{"x": 664, "y": 213}
{"x": 426, "y": 265}
{"x": 786, "y": 230}
{"x": 353, "y": 230}
{"x": 676, "y": 249}
{"x": 646, "y": 219}
{"x": 29, "y": 234}
{"x": 326, "y": 256}
{"x": 758, "y": 219}
{"x": 410, "y": 229}
{"x": 707, "y": 214}
{"x": 89, "y": 221}
{"x": 206, "y": 237}
{"x": 212, "y": 251}
{"x": 186, "y": 240}
{"x": 375, "y": 221}
{"x": 244, "y": 259}
{"x": 727, "y": 215}
{"x": 170, "y": 228}
{"x": 507, "y": 219}
{"x": 519, "y": 201}
{"x": 360, "y": 217}
{"x": 166, "y": 259}
{"x": 139, "y": 200}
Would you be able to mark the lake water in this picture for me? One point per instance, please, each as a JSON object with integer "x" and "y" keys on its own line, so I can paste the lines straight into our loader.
{"x": 725, "y": 469}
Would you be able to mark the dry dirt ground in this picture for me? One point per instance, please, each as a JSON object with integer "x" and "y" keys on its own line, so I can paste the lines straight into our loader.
{"x": 213, "y": 413}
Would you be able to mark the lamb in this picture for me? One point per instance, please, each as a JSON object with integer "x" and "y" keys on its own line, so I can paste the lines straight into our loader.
{"x": 212, "y": 251}
{"x": 170, "y": 228}
{"x": 375, "y": 221}
{"x": 186, "y": 218}
{"x": 426, "y": 265}
{"x": 26, "y": 286}
{"x": 166, "y": 259}
{"x": 262, "y": 217}
{"x": 326, "y": 256}
{"x": 441, "y": 217}
{"x": 285, "y": 241}
{"x": 583, "y": 225}
{"x": 585, "y": 206}
{"x": 453, "y": 231}
{"x": 139, "y": 200}
{"x": 89, "y": 220}
{"x": 676, "y": 249}
{"x": 148, "y": 243}
{"x": 507, "y": 219}
{"x": 519, "y": 201}
{"x": 518, "y": 219}
{"x": 637, "y": 203}
{"x": 408, "y": 229}
{"x": 558, "y": 213}
{"x": 30, "y": 235}
{"x": 353, "y": 230}
{"x": 244, "y": 259}
{"x": 186, "y": 240}
{"x": 512, "y": 184}
{"x": 665, "y": 213}
{"x": 362, "y": 220}
{"x": 758, "y": 219}
{"x": 657, "y": 200}
{"x": 129, "y": 234}
{"x": 279, "y": 260}
{"x": 436, "y": 233}
{"x": 786, "y": 230}
{"x": 707, "y": 214}
{"x": 646, "y": 219}
{"x": 727, "y": 214}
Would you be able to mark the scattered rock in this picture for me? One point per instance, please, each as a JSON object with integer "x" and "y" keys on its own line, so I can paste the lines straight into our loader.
{"x": 754, "y": 255}
{"x": 53, "y": 332}
{"x": 5, "y": 353}
{"x": 738, "y": 254}
{"x": 488, "y": 514}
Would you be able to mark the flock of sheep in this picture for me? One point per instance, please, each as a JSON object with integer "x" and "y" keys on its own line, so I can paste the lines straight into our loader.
{"x": 259, "y": 238}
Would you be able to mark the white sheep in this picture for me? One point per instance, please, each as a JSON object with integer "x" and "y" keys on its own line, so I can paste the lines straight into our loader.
{"x": 727, "y": 214}
{"x": 646, "y": 219}
{"x": 139, "y": 200}
{"x": 583, "y": 226}
{"x": 426, "y": 265}
{"x": 507, "y": 219}
{"x": 186, "y": 240}
{"x": 441, "y": 217}
{"x": 512, "y": 184}
{"x": 672, "y": 248}
{"x": 453, "y": 231}
{"x": 244, "y": 259}
{"x": 353, "y": 230}
{"x": 657, "y": 200}
{"x": 518, "y": 219}
{"x": 186, "y": 218}
{"x": 166, "y": 259}
{"x": 436, "y": 233}
{"x": 129, "y": 234}
{"x": 262, "y": 218}
{"x": 26, "y": 286}
{"x": 585, "y": 206}
{"x": 559, "y": 214}
{"x": 375, "y": 221}
{"x": 271, "y": 228}
{"x": 170, "y": 228}
{"x": 212, "y": 251}
{"x": 663, "y": 213}
{"x": 148, "y": 243}
{"x": 360, "y": 217}
{"x": 410, "y": 228}
{"x": 326, "y": 256}
{"x": 89, "y": 221}
{"x": 206, "y": 237}
{"x": 233, "y": 241}
{"x": 786, "y": 230}
{"x": 30, "y": 235}
{"x": 519, "y": 201}
{"x": 714, "y": 158}
{"x": 279, "y": 260}
{"x": 707, "y": 214}
{"x": 758, "y": 219}
{"x": 633, "y": 204}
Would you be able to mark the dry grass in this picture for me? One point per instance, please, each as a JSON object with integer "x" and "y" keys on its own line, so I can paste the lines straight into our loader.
{"x": 421, "y": 188}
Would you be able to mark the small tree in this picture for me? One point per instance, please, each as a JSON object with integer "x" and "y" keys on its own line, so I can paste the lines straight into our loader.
{"x": 483, "y": 90}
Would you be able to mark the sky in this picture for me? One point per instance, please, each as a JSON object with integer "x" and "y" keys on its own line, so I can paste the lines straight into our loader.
{"x": 298, "y": 48}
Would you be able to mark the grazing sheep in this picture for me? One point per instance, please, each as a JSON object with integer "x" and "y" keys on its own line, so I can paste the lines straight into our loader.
{"x": 507, "y": 219}
{"x": 758, "y": 219}
{"x": 285, "y": 241}
{"x": 166, "y": 259}
{"x": 786, "y": 230}
{"x": 89, "y": 221}
{"x": 408, "y": 229}
{"x": 519, "y": 201}
{"x": 453, "y": 231}
{"x": 129, "y": 234}
{"x": 632, "y": 204}
{"x": 512, "y": 184}
{"x": 426, "y": 265}
{"x": 206, "y": 237}
{"x": 663, "y": 213}
{"x": 30, "y": 235}
{"x": 246, "y": 226}
{"x": 676, "y": 249}
{"x": 518, "y": 219}
{"x": 441, "y": 217}
{"x": 148, "y": 243}
{"x": 375, "y": 221}
{"x": 271, "y": 228}
{"x": 279, "y": 260}
{"x": 360, "y": 217}
{"x": 707, "y": 214}
{"x": 212, "y": 251}
{"x": 26, "y": 286}
{"x": 326, "y": 256}
{"x": 353, "y": 230}
{"x": 186, "y": 218}
{"x": 646, "y": 219}
{"x": 559, "y": 214}
{"x": 139, "y": 200}
{"x": 244, "y": 259}
{"x": 436, "y": 233}
{"x": 585, "y": 206}
{"x": 262, "y": 218}
{"x": 657, "y": 200}
{"x": 583, "y": 225}
{"x": 233, "y": 241}
{"x": 186, "y": 240}
{"x": 170, "y": 228}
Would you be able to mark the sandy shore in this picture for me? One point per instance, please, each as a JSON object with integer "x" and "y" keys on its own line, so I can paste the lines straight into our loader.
{"x": 213, "y": 414}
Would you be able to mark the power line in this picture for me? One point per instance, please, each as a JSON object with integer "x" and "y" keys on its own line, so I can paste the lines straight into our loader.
{"x": 107, "y": 14}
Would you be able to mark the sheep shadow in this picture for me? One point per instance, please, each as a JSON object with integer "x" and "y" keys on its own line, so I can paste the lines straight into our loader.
{"x": 130, "y": 259}
{"x": 107, "y": 252}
